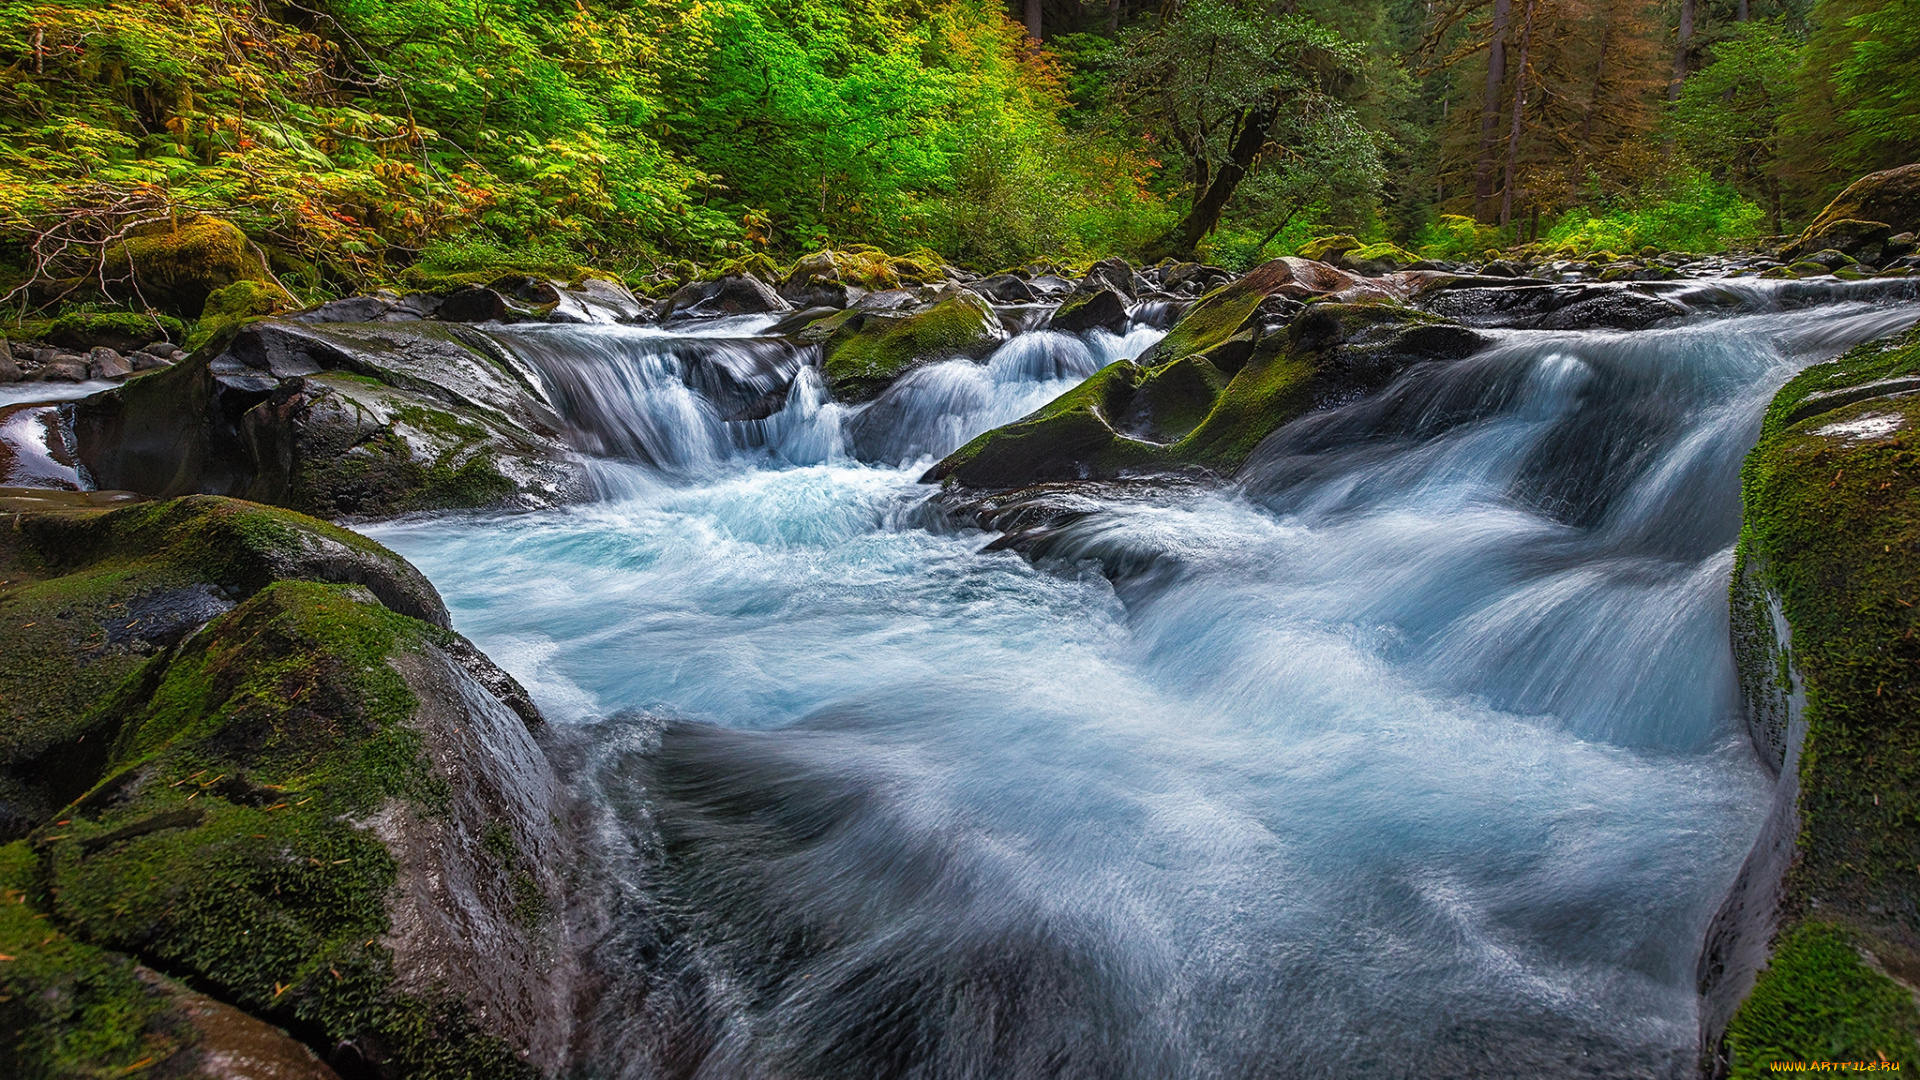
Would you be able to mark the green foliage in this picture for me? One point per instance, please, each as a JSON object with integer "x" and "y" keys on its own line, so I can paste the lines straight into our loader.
{"x": 1854, "y": 109}
{"x": 1690, "y": 213}
{"x": 1727, "y": 111}
{"x": 1240, "y": 97}
{"x": 1456, "y": 236}
{"x": 1816, "y": 1001}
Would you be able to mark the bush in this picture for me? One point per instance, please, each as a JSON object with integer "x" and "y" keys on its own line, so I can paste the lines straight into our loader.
{"x": 1690, "y": 213}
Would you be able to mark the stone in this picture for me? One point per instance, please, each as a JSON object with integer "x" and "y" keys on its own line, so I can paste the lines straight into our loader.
{"x": 1822, "y": 622}
{"x": 737, "y": 294}
{"x": 1103, "y": 309}
{"x": 473, "y": 304}
{"x": 866, "y": 348}
{"x": 1005, "y": 289}
{"x": 383, "y": 832}
{"x": 340, "y": 419}
{"x": 175, "y": 266}
{"x": 104, "y": 363}
{"x": 1890, "y": 197}
{"x": 71, "y": 369}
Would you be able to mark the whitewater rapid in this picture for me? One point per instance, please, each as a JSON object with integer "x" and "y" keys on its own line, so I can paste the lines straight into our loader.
{"x": 1413, "y": 752}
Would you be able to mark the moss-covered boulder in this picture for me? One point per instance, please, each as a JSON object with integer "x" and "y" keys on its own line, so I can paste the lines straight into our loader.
{"x": 305, "y": 804}
{"x": 69, "y": 1009}
{"x": 236, "y": 303}
{"x": 338, "y": 420}
{"x": 91, "y": 594}
{"x": 124, "y": 331}
{"x": 1890, "y": 198}
{"x": 1328, "y": 248}
{"x": 1243, "y": 362}
{"x": 866, "y": 349}
{"x": 175, "y": 266}
{"x": 1826, "y": 628}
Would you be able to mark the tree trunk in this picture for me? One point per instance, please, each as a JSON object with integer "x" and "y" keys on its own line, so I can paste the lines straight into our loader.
{"x": 1519, "y": 115}
{"x": 1593, "y": 96}
{"x": 1490, "y": 109}
{"x": 1680, "y": 50}
{"x": 1743, "y": 13}
{"x": 1033, "y": 19}
{"x": 1212, "y": 202}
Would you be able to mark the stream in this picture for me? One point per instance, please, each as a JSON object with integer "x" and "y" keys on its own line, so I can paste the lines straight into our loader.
{"x": 1415, "y": 751}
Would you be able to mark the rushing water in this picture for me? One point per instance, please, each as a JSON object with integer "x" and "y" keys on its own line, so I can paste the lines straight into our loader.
{"x": 1413, "y": 754}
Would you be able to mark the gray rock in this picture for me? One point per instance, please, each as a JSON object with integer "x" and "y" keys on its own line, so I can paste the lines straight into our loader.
{"x": 67, "y": 369}
{"x": 473, "y": 304}
{"x": 105, "y": 363}
{"x": 738, "y": 294}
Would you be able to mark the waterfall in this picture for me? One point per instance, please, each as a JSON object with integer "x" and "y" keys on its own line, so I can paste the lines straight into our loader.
{"x": 1412, "y": 752}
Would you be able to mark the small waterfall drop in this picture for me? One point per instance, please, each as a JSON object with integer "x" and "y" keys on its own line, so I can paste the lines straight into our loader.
{"x": 1413, "y": 752}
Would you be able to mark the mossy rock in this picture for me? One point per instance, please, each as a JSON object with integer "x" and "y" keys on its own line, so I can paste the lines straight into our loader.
{"x": 91, "y": 595}
{"x": 1383, "y": 252}
{"x": 338, "y": 420}
{"x": 125, "y": 331}
{"x": 175, "y": 266}
{"x": 1204, "y": 409}
{"x": 235, "y": 304}
{"x": 866, "y": 351}
{"x": 1818, "y": 1000}
{"x": 1328, "y": 248}
{"x": 1890, "y": 198}
{"x": 71, "y": 1010}
{"x": 1830, "y": 550}
{"x": 316, "y": 808}
{"x": 1102, "y": 309}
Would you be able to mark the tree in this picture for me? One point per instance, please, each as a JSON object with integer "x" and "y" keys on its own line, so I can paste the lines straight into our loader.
{"x": 1726, "y": 116}
{"x": 1855, "y": 105}
{"x": 1223, "y": 84}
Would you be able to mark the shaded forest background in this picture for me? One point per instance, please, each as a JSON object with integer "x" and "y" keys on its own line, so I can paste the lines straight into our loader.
{"x": 358, "y": 141}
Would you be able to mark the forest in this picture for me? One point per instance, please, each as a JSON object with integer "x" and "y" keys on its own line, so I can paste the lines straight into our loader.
{"x": 361, "y": 143}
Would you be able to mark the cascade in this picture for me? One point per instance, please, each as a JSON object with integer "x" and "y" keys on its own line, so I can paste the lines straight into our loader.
{"x": 1413, "y": 751}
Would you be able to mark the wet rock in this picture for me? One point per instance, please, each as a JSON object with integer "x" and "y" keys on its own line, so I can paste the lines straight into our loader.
{"x": 9, "y": 368}
{"x": 866, "y": 348}
{"x": 354, "y": 420}
{"x": 739, "y": 294}
{"x": 1102, "y": 309}
{"x": 1614, "y": 306}
{"x": 609, "y": 301}
{"x": 1005, "y": 289}
{"x": 473, "y": 304}
{"x": 1823, "y": 622}
{"x": 63, "y": 368}
{"x": 1240, "y": 364}
{"x": 1114, "y": 274}
{"x": 104, "y": 363}
{"x": 381, "y": 832}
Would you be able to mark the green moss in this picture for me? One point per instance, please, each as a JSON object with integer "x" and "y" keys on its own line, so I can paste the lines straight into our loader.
{"x": 123, "y": 330}
{"x": 1832, "y": 530}
{"x": 1323, "y": 248}
{"x": 379, "y": 472}
{"x": 176, "y": 266}
{"x": 866, "y": 352}
{"x": 222, "y": 843}
{"x": 235, "y": 304}
{"x": 69, "y": 1010}
{"x": 1816, "y": 1001}
{"x": 1067, "y": 439}
{"x": 84, "y": 594}
{"x": 1386, "y": 251}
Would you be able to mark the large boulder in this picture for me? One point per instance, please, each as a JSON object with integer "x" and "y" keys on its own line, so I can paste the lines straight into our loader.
{"x": 1244, "y": 361}
{"x": 291, "y": 794}
{"x": 870, "y": 345}
{"x": 1890, "y": 198}
{"x": 338, "y": 420}
{"x": 175, "y": 266}
{"x": 1102, "y": 309}
{"x": 1801, "y": 961}
{"x": 737, "y": 294}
